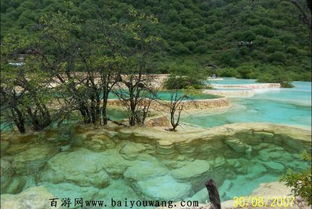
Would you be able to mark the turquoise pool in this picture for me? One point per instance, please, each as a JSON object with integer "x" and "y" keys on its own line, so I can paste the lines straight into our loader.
{"x": 99, "y": 164}
{"x": 166, "y": 95}
{"x": 284, "y": 106}
{"x": 233, "y": 81}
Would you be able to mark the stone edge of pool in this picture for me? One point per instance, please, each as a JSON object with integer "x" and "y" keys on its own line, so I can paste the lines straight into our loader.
{"x": 165, "y": 137}
{"x": 196, "y": 105}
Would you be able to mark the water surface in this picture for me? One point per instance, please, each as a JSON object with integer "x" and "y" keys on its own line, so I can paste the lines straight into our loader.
{"x": 290, "y": 106}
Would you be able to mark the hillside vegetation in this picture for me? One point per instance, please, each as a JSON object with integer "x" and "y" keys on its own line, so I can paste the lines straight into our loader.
{"x": 240, "y": 38}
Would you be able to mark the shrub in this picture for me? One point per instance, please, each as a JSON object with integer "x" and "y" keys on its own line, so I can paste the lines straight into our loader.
{"x": 300, "y": 182}
{"x": 292, "y": 50}
{"x": 183, "y": 82}
{"x": 277, "y": 57}
{"x": 228, "y": 72}
{"x": 277, "y": 77}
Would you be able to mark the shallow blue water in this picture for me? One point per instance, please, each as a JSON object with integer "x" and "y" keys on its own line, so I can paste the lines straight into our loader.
{"x": 284, "y": 106}
{"x": 233, "y": 81}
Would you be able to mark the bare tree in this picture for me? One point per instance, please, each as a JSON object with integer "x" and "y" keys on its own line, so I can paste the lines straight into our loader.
{"x": 136, "y": 93}
{"x": 136, "y": 87}
{"x": 176, "y": 107}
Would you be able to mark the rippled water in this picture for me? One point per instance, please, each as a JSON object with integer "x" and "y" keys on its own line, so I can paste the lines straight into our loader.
{"x": 284, "y": 106}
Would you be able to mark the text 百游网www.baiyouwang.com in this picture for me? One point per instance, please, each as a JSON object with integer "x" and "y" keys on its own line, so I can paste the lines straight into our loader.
{"x": 116, "y": 203}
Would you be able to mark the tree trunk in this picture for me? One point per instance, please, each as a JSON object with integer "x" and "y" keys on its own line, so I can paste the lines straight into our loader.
{"x": 213, "y": 194}
{"x": 18, "y": 119}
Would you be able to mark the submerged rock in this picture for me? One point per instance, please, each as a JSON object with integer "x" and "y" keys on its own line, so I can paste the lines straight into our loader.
{"x": 118, "y": 190}
{"x": 4, "y": 146}
{"x": 32, "y": 159}
{"x": 82, "y": 167}
{"x": 32, "y": 198}
{"x": 276, "y": 167}
{"x": 238, "y": 146}
{"x": 219, "y": 161}
{"x": 100, "y": 142}
{"x": 131, "y": 150}
{"x": 255, "y": 171}
{"x": 234, "y": 162}
{"x": 273, "y": 152}
{"x": 200, "y": 196}
{"x": 225, "y": 188}
{"x": 164, "y": 188}
{"x": 114, "y": 164}
{"x": 16, "y": 185}
{"x": 72, "y": 191}
{"x": 191, "y": 170}
{"x": 145, "y": 169}
{"x": 6, "y": 173}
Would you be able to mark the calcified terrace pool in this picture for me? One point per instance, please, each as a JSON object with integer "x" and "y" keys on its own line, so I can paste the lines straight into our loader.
{"x": 99, "y": 164}
{"x": 283, "y": 106}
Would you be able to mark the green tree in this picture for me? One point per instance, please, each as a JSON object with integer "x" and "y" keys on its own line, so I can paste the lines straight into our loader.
{"x": 300, "y": 182}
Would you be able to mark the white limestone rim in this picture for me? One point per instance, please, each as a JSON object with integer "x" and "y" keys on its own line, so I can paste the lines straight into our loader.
{"x": 189, "y": 134}
{"x": 248, "y": 86}
{"x": 231, "y": 93}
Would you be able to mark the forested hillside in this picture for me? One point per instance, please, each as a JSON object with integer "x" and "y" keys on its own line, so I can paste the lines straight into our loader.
{"x": 241, "y": 38}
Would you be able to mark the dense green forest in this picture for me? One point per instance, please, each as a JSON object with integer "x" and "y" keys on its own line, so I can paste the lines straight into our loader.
{"x": 241, "y": 38}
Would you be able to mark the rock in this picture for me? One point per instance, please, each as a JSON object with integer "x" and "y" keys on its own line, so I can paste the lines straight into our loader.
{"x": 255, "y": 171}
{"x": 118, "y": 189}
{"x": 294, "y": 144}
{"x": 166, "y": 151}
{"x": 29, "y": 182}
{"x": 6, "y": 173}
{"x": 65, "y": 148}
{"x": 200, "y": 196}
{"x": 174, "y": 164}
{"x": 159, "y": 121}
{"x": 4, "y": 146}
{"x": 276, "y": 167}
{"x": 131, "y": 150}
{"x": 164, "y": 188}
{"x": 82, "y": 167}
{"x": 100, "y": 142}
{"x": 191, "y": 170}
{"x": 114, "y": 164}
{"x": 32, "y": 198}
{"x": 272, "y": 189}
{"x": 273, "y": 152}
{"x": 16, "y": 148}
{"x": 225, "y": 188}
{"x": 16, "y": 185}
{"x": 32, "y": 159}
{"x": 219, "y": 162}
{"x": 244, "y": 164}
{"x": 263, "y": 135}
{"x": 72, "y": 191}
{"x": 238, "y": 146}
{"x": 234, "y": 162}
{"x": 261, "y": 146}
{"x": 145, "y": 169}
